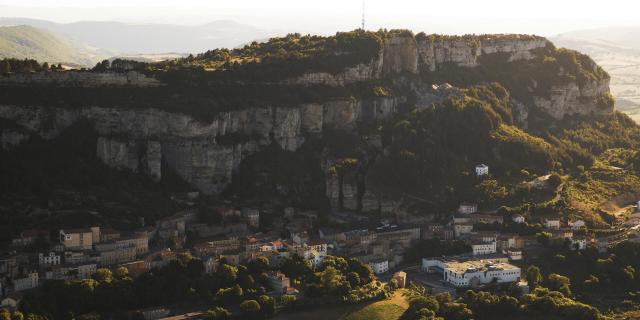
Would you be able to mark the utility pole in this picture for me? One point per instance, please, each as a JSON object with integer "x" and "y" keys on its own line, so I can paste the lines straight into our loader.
{"x": 363, "y": 15}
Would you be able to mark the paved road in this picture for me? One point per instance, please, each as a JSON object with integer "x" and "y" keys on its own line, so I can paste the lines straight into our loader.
{"x": 432, "y": 281}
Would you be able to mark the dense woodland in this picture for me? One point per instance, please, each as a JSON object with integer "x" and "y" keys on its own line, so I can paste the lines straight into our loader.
{"x": 238, "y": 292}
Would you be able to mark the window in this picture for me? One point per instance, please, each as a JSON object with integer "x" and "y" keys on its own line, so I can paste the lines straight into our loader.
{"x": 67, "y": 237}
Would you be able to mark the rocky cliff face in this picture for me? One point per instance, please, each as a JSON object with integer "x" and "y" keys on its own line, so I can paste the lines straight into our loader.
{"x": 405, "y": 53}
{"x": 201, "y": 153}
{"x": 80, "y": 79}
{"x": 573, "y": 99}
{"x": 465, "y": 53}
{"x": 206, "y": 154}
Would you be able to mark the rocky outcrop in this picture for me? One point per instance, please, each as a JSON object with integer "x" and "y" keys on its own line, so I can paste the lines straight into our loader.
{"x": 574, "y": 99}
{"x": 406, "y": 53}
{"x": 359, "y": 73}
{"x": 10, "y": 138}
{"x": 400, "y": 55}
{"x": 205, "y": 154}
{"x": 137, "y": 156}
{"x": 466, "y": 52}
{"x": 287, "y": 128}
{"x": 80, "y": 79}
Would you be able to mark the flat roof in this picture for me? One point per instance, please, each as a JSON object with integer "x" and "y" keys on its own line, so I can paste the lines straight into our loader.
{"x": 478, "y": 265}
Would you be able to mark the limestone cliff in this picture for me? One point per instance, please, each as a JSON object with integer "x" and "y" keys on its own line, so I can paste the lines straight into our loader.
{"x": 206, "y": 153}
{"x": 406, "y": 53}
{"x": 573, "y": 99}
{"x": 203, "y": 154}
{"x": 79, "y": 79}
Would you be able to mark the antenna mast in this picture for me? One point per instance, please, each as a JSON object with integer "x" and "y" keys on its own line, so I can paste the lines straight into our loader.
{"x": 363, "y": 15}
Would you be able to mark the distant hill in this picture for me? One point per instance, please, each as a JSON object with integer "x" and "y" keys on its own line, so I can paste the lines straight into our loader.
{"x": 626, "y": 37}
{"x": 150, "y": 57}
{"x": 30, "y": 42}
{"x": 150, "y": 38}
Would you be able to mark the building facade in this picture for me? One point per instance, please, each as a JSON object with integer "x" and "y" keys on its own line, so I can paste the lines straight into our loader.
{"x": 472, "y": 273}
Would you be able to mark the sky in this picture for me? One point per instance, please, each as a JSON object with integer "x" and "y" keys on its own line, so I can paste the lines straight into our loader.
{"x": 544, "y": 17}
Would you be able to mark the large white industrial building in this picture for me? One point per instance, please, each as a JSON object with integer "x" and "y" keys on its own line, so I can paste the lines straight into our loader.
{"x": 472, "y": 273}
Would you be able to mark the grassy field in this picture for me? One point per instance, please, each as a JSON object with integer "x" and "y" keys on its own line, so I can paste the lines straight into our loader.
{"x": 389, "y": 309}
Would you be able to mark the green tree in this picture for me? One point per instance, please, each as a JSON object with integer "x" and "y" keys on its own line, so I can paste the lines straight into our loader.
{"x": 218, "y": 313}
{"x": 354, "y": 279}
{"x": 296, "y": 267}
{"x": 5, "y": 314}
{"x": 227, "y": 274}
{"x": 17, "y": 316}
{"x": 121, "y": 273}
{"x": 362, "y": 269}
{"x": 250, "y": 309}
{"x": 288, "y": 301}
{"x": 560, "y": 283}
{"x": 534, "y": 277}
{"x": 104, "y": 65}
{"x": 267, "y": 305}
{"x": 5, "y": 66}
{"x": 258, "y": 265}
{"x": 230, "y": 295}
{"x": 424, "y": 302}
{"x": 330, "y": 278}
{"x": 456, "y": 311}
{"x": 103, "y": 275}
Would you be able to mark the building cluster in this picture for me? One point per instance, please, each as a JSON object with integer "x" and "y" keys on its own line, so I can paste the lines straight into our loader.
{"x": 462, "y": 225}
{"x": 382, "y": 246}
{"x": 73, "y": 254}
{"x": 233, "y": 236}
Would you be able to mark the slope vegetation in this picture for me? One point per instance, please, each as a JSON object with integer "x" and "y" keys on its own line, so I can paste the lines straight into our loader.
{"x": 23, "y": 42}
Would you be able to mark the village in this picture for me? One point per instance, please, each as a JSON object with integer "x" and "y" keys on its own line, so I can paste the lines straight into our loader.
{"x": 493, "y": 257}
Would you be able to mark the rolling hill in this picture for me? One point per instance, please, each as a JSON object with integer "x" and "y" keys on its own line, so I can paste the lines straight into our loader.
{"x": 29, "y": 42}
{"x": 125, "y": 38}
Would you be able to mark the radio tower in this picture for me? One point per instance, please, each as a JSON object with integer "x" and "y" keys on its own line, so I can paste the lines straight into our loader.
{"x": 362, "y": 15}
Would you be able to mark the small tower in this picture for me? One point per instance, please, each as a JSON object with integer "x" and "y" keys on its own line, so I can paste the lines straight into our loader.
{"x": 363, "y": 15}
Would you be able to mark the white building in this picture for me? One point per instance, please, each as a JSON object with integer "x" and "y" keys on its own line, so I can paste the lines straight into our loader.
{"x": 467, "y": 208}
{"x": 252, "y": 216}
{"x": 482, "y": 170}
{"x": 51, "y": 259}
{"x": 154, "y": 313}
{"x": 514, "y": 255}
{"x": 319, "y": 245}
{"x": 576, "y": 224}
{"x": 10, "y": 302}
{"x": 518, "y": 218}
{"x": 472, "y": 273}
{"x": 462, "y": 229}
{"x": 481, "y": 248}
{"x": 29, "y": 282}
{"x": 379, "y": 266}
{"x": 71, "y": 272}
{"x": 210, "y": 264}
{"x": 579, "y": 243}
{"x": 552, "y": 223}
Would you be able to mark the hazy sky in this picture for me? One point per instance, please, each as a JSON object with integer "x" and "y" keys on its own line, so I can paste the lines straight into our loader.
{"x": 546, "y": 17}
